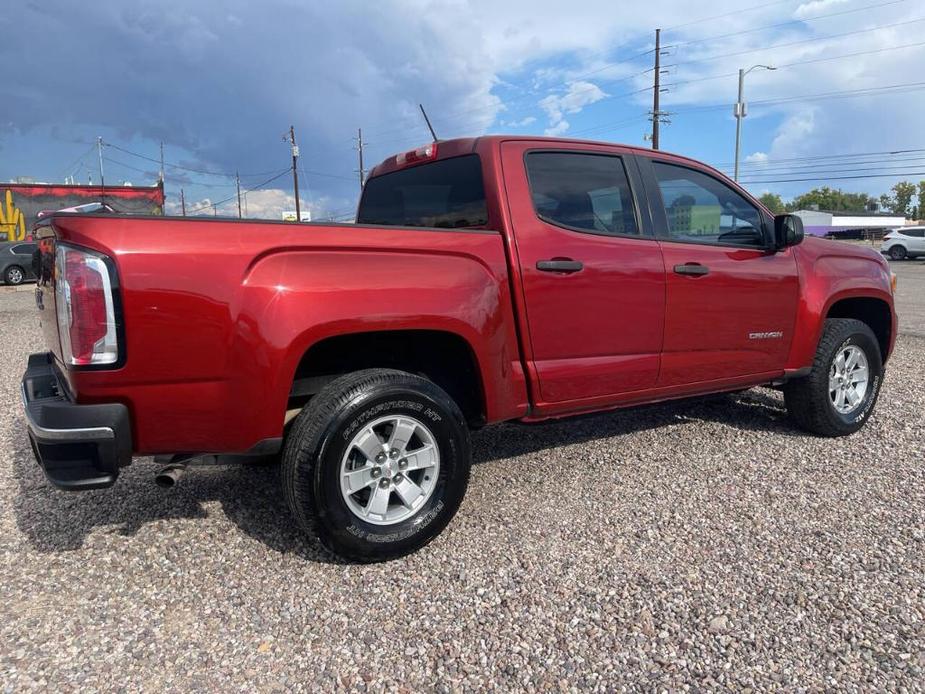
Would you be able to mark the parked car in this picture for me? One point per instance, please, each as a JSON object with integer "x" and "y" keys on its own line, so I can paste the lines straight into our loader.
{"x": 16, "y": 261}
{"x": 905, "y": 242}
{"x": 485, "y": 280}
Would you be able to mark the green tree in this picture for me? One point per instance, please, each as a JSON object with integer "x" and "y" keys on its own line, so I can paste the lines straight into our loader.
{"x": 921, "y": 210}
{"x": 902, "y": 197}
{"x": 773, "y": 202}
{"x": 831, "y": 199}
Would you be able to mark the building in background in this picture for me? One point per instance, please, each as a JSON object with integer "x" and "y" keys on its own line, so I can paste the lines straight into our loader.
{"x": 859, "y": 224}
{"x": 289, "y": 215}
{"x": 20, "y": 203}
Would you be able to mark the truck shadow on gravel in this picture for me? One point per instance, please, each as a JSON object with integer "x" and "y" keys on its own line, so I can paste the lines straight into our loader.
{"x": 251, "y": 498}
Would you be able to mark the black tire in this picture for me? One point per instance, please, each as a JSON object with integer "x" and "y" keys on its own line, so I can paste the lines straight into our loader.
{"x": 897, "y": 252}
{"x": 808, "y": 399}
{"x": 14, "y": 275}
{"x": 319, "y": 439}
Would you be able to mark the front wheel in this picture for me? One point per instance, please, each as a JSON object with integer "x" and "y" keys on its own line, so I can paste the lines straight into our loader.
{"x": 376, "y": 464}
{"x": 839, "y": 394}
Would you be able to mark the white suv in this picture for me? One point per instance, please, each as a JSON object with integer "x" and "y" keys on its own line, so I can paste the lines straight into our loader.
{"x": 905, "y": 242}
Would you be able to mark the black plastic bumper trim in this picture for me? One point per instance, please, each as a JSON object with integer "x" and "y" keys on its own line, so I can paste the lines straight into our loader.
{"x": 79, "y": 447}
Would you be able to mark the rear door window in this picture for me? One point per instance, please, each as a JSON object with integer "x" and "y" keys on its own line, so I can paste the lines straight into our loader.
{"x": 448, "y": 193}
{"x": 585, "y": 192}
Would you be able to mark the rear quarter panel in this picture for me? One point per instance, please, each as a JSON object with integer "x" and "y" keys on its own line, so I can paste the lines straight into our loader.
{"x": 219, "y": 313}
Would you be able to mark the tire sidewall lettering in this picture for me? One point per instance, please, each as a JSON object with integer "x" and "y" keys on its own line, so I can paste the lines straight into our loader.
{"x": 339, "y": 517}
{"x": 858, "y": 416}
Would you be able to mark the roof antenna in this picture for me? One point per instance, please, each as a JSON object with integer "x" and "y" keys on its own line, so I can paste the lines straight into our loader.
{"x": 427, "y": 120}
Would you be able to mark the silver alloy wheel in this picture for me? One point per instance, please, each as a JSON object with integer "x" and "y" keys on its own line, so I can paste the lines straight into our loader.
{"x": 14, "y": 275}
{"x": 848, "y": 378}
{"x": 389, "y": 470}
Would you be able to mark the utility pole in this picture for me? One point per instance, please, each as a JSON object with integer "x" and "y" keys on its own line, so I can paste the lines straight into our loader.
{"x": 182, "y": 202}
{"x": 161, "y": 175}
{"x": 739, "y": 110}
{"x": 99, "y": 149}
{"x": 237, "y": 181}
{"x": 362, "y": 171}
{"x": 656, "y": 114}
{"x": 295, "y": 172}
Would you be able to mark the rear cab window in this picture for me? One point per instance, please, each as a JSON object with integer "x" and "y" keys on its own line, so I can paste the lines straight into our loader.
{"x": 448, "y": 193}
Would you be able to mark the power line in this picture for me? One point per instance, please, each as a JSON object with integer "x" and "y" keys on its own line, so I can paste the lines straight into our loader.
{"x": 758, "y": 169}
{"x": 149, "y": 173}
{"x": 840, "y": 156}
{"x": 802, "y": 62}
{"x": 787, "y": 23}
{"x": 729, "y": 14}
{"x": 74, "y": 165}
{"x": 834, "y": 171}
{"x": 186, "y": 168}
{"x": 215, "y": 205}
{"x": 812, "y": 39}
{"x": 836, "y": 178}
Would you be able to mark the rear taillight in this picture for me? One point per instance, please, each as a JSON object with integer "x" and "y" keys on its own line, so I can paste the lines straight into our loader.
{"x": 85, "y": 308}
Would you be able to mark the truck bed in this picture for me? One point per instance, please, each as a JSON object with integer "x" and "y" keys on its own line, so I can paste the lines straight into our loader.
{"x": 218, "y": 315}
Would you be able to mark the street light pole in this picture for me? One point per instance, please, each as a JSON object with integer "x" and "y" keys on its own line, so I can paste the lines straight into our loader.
{"x": 739, "y": 111}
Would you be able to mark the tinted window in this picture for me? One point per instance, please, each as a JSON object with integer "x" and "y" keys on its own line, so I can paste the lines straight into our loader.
{"x": 447, "y": 193}
{"x": 701, "y": 209}
{"x": 24, "y": 249}
{"x": 916, "y": 233}
{"x": 586, "y": 192}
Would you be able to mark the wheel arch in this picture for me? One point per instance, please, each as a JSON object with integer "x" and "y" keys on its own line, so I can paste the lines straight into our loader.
{"x": 442, "y": 356}
{"x": 872, "y": 311}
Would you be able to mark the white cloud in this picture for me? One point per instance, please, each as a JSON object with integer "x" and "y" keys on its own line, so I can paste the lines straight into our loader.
{"x": 522, "y": 123}
{"x": 757, "y": 158}
{"x": 815, "y": 8}
{"x": 793, "y": 134}
{"x": 269, "y": 203}
{"x": 360, "y": 64}
{"x": 579, "y": 95}
{"x": 559, "y": 128}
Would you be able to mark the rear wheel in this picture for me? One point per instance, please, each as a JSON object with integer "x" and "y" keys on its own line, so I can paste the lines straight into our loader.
{"x": 839, "y": 394}
{"x": 14, "y": 275}
{"x": 376, "y": 464}
{"x": 897, "y": 252}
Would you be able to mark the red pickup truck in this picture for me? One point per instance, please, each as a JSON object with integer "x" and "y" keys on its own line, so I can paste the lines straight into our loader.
{"x": 485, "y": 279}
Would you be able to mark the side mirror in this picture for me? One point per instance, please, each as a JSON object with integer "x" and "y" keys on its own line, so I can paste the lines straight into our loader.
{"x": 788, "y": 230}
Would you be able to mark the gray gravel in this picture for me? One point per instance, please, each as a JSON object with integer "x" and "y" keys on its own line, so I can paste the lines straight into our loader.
{"x": 699, "y": 543}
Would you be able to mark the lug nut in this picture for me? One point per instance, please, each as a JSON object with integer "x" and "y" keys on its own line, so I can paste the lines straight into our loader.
{"x": 403, "y": 463}
{"x": 380, "y": 458}
{"x": 398, "y": 478}
{"x": 393, "y": 453}
{"x": 376, "y": 472}
{"x": 383, "y": 483}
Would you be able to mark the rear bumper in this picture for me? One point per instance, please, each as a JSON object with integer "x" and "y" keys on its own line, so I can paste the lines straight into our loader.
{"x": 79, "y": 447}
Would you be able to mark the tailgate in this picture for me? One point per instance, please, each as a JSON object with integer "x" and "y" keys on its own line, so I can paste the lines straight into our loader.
{"x": 43, "y": 265}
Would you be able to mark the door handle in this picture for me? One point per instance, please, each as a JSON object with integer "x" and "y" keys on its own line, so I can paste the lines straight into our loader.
{"x": 693, "y": 269}
{"x": 564, "y": 265}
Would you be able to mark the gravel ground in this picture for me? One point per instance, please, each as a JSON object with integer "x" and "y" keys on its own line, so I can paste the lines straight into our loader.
{"x": 698, "y": 543}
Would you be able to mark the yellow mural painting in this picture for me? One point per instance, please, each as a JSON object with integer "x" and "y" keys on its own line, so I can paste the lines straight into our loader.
{"x": 12, "y": 221}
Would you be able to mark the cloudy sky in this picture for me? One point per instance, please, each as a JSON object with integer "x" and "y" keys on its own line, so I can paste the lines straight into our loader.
{"x": 220, "y": 81}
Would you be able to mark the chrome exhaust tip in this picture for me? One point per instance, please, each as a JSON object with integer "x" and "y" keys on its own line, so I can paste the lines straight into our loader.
{"x": 169, "y": 476}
